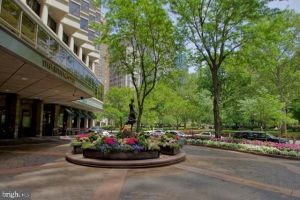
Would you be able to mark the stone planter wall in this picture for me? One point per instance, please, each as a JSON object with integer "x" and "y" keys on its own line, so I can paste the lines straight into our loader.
{"x": 169, "y": 151}
{"x": 77, "y": 150}
{"x": 90, "y": 153}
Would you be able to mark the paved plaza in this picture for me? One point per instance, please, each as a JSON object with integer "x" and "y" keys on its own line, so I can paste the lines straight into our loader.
{"x": 208, "y": 174}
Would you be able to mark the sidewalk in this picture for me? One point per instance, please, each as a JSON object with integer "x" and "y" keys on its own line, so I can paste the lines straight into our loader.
{"x": 34, "y": 140}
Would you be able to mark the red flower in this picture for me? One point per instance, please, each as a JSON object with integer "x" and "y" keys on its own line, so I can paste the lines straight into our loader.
{"x": 82, "y": 136}
{"x": 131, "y": 141}
{"x": 109, "y": 141}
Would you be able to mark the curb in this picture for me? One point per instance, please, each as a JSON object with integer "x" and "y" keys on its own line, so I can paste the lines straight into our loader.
{"x": 254, "y": 153}
{"x": 126, "y": 164}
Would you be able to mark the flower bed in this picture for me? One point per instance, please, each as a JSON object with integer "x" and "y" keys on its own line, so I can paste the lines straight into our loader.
{"x": 140, "y": 147}
{"x": 265, "y": 148}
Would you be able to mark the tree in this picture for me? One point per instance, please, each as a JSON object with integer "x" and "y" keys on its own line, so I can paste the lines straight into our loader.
{"x": 273, "y": 52}
{"x": 116, "y": 103}
{"x": 217, "y": 28}
{"x": 141, "y": 42}
{"x": 264, "y": 108}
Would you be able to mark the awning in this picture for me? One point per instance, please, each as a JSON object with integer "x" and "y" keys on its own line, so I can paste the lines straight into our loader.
{"x": 91, "y": 115}
{"x": 70, "y": 112}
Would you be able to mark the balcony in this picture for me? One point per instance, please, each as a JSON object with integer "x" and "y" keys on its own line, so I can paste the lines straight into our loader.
{"x": 19, "y": 20}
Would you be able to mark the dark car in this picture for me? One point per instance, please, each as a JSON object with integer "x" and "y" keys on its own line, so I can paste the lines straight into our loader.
{"x": 258, "y": 135}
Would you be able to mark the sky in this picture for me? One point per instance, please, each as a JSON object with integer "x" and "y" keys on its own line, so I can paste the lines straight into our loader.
{"x": 290, "y": 4}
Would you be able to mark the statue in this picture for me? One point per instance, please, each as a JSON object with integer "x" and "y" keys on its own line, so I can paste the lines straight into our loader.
{"x": 132, "y": 113}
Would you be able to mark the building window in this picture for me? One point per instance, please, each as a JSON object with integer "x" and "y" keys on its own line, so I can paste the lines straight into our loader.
{"x": 75, "y": 50}
{"x": 34, "y": 5}
{"x": 74, "y": 8}
{"x": 83, "y": 58}
{"x": 28, "y": 28}
{"x": 65, "y": 38}
{"x": 84, "y": 24}
{"x": 91, "y": 65}
{"x": 98, "y": 17}
{"x": 85, "y": 6}
{"x": 11, "y": 13}
{"x": 92, "y": 18}
{"x": 52, "y": 24}
{"x": 42, "y": 40}
{"x": 91, "y": 35}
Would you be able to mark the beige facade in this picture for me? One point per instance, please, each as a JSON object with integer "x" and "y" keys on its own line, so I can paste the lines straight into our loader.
{"x": 48, "y": 67}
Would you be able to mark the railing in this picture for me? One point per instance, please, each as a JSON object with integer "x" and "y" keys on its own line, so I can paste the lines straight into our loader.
{"x": 19, "y": 20}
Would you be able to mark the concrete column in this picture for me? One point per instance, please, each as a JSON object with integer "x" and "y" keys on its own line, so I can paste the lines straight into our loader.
{"x": 80, "y": 53}
{"x": 39, "y": 117}
{"x": 13, "y": 115}
{"x": 90, "y": 123}
{"x": 93, "y": 122}
{"x": 87, "y": 61}
{"x": 56, "y": 115}
{"x": 60, "y": 30}
{"x": 44, "y": 13}
{"x": 71, "y": 43}
{"x": 69, "y": 121}
{"x": 78, "y": 123}
{"x": 86, "y": 123}
{"x": 93, "y": 67}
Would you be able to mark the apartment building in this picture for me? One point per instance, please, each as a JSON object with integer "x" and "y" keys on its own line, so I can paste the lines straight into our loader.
{"x": 50, "y": 69}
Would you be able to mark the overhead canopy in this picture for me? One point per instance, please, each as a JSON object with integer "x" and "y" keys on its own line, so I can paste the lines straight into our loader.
{"x": 69, "y": 111}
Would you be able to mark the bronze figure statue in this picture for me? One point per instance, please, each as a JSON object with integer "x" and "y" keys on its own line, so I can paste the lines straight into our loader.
{"x": 132, "y": 114}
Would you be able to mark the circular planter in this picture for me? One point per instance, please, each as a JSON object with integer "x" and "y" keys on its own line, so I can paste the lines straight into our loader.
{"x": 169, "y": 151}
{"x": 90, "y": 153}
{"x": 77, "y": 149}
{"x": 162, "y": 160}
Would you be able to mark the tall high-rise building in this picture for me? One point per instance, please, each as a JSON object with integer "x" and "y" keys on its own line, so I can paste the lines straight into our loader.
{"x": 51, "y": 73}
{"x": 118, "y": 79}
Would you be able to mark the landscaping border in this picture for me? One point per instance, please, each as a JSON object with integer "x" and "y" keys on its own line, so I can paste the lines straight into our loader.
{"x": 254, "y": 153}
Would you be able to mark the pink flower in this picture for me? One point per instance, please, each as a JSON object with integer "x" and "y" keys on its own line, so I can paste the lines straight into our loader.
{"x": 80, "y": 136}
{"x": 109, "y": 141}
{"x": 131, "y": 141}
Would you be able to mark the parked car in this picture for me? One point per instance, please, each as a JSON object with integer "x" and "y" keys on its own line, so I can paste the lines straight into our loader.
{"x": 176, "y": 132}
{"x": 96, "y": 129}
{"x": 205, "y": 135}
{"x": 157, "y": 133}
{"x": 148, "y": 133}
{"x": 258, "y": 135}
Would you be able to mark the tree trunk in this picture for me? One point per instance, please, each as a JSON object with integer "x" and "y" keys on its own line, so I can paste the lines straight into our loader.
{"x": 283, "y": 126}
{"x": 139, "y": 119}
{"x": 216, "y": 101}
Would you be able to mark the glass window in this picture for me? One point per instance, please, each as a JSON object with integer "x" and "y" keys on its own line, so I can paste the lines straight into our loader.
{"x": 74, "y": 8}
{"x": 28, "y": 28}
{"x": 98, "y": 16}
{"x": 65, "y": 38}
{"x": 92, "y": 18}
{"x": 34, "y": 5}
{"x": 85, "y": 6}
{"x": 83, "y": 58}
{"x": 53, "y": 49}
{"x": 42, "y": 40}
{"x": 84, "y": 24}
{"x": 91, "y": 35}
{"x": 52, "y": 24}
{"x": 75, "y": 50}
{"x": 70, "y": 63}
{"x": 10, "y": 12}
{"x": 62, "y": 58}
